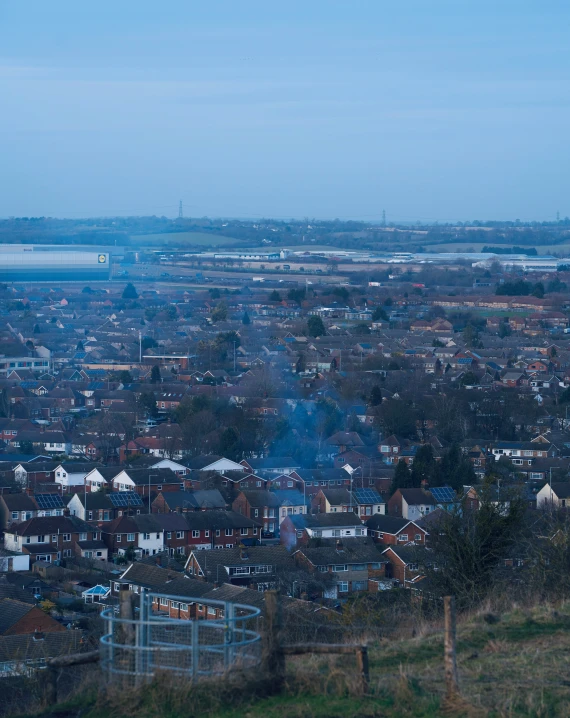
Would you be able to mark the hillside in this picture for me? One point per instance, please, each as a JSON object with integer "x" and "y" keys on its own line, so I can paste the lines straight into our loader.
{"x": 510, "y": 665}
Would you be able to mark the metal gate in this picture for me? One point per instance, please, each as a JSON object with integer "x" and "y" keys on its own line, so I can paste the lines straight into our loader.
{"x": 136, "y": 650}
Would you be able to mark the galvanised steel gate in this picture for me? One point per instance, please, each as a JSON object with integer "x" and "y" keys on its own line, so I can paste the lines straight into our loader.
{"x": 135, "y": 650}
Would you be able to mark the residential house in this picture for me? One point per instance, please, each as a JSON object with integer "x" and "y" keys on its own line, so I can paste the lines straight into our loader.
{"x": 395, "y": 531}
{"x": 411, "y": 504}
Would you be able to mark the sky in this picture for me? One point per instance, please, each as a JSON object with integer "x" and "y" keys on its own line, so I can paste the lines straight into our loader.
{"x": 440, "y": 110}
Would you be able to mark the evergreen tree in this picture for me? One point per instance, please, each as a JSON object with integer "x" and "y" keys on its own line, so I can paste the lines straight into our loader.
{"x": 402, "y": 478}
{"x": 375, "y": 395}
{"x": 274, "y": 296}
{"x": 245, "y": 319}
{"x": 379, "y": 314}
{"x": 316, "y": 327}
{"x": 424, "y": 468}
{"x": 130, "y": 292}
{"x": 155, "y": 374}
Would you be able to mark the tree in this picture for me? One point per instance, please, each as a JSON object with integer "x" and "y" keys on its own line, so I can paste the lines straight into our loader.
{"x": 424, "y": 468}
{"x": 538, "y": 290}
{"x": 245, "y": 319}
{"x": 455, "y": 470}
{"x": 315, "y": 326}
{"x": 402, "y": 478}
{"x": 504, "y": 330}
{"x": 274, "y": 296}
{"x": 375, "y": 395}
{"x": 388, "y": 302}
{"x": 36, "y": 329}
{"x": 147, "y": 404}
{"x": 130, "y": 292}
{"x": 148, "y": 343}
{"x": 155, "y": 377}
{"x": 79, "y": 346}
{"x": 296, "y": 295}
{"x": 469, "y": 379}
{"x": 379, "y": 314}
{"x": 469, "y": 546}
{"x": 220, "y": 312}
{"x": 125, "y": 377}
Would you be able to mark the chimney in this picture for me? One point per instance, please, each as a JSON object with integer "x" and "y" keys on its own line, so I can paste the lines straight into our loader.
{"x": 243, "y": 552}
{"x": 339, "y": 546}
{"x": 38, "y": 634}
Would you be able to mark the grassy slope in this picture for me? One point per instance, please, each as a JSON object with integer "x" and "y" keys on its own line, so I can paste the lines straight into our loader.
{"x": 515, "y": 666}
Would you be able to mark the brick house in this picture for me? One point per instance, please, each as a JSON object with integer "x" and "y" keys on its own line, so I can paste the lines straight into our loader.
{"x": 402, "y": 564}
{"x": 301, "y": 528}
{"x": 395, "y": 531}
{"x": 411, "y": 503}
{"x": 53, "y": 538}
{"x": 348, "y": 567}
{"x": 19, "y": 617}
{"x": 220, "y": 529}
{"x": 15, "y": 508}
{"x": 255, "y": 567}
{"x": 262, "y": 506}
{"x": 184, "y": 501}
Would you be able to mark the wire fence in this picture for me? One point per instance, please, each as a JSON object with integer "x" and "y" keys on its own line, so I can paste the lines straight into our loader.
{"x": 136, "y": 649}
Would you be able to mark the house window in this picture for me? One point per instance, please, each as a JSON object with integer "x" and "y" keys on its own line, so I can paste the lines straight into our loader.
{"x": 146, "y": 537}
{"x": 341, "y": 567}
{"x": 66, "y": 553}
{"x": 343, "y": 586}
{"x": 195, "y": 534}
{"x": 82, "y": 537}
{"x": 119, "y": 538}
{"x": 15, "y": 515}
{"x": 174, "y": 604}
{"x": 418, "y": 537}
{"x": 243, "y": 532}
{"x": 180, "y": 534}
{"x": 229, "y": 545}
{"x": 255, "y": 531}
{"x": 183, "y": 606}
{"x": 90, "y": 515}
{"x": 131, "y": 537}
{"x": 218, "y": 532}
{"x": 258, "y": 483}
{"x": 41, "y": 539}
{"x": 403, "y": 537}
{"x": 358, "y": 567}
{"x": 211, "y": 611}
{"x": 290, "y": 484}
{"x": 256, "y": 513}
{"x": 412, "y": 566}
{"x": 67, "y": 537}
{"x": 169, "y": 534}
{"x": 229, "y": 532}
{"x": 164, "y": 602}
{"x": 158, "y": 536}
{"x": 207, "y": 533}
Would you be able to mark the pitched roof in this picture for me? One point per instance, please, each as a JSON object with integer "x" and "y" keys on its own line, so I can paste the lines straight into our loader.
{"x": 387, "y": 524}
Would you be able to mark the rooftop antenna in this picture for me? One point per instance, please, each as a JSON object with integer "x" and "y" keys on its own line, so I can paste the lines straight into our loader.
{"x": 180, "y": 212}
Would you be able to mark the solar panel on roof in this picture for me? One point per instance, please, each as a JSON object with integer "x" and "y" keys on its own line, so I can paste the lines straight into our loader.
{"x": 443, "y": 494}
{"x": 367, "y": 496}
{"x": 125, "y": 498}
{"x": 49, "y": 501}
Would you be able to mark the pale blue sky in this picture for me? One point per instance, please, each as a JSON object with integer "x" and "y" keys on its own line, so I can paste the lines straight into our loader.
{"x": 432, "y": 110}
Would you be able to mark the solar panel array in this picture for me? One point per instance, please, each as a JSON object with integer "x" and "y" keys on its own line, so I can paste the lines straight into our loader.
{"x": 125, "y": 498}
{"x": 367, "y": 496}
{"x": 49, "y": 501}
{"x": 443, "y": 494}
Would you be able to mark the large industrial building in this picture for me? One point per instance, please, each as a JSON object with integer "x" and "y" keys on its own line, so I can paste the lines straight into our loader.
{"x": 32, "y": 264}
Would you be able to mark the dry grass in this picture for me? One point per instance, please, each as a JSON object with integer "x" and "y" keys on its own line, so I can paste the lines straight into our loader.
{"x": 514, "y": 663}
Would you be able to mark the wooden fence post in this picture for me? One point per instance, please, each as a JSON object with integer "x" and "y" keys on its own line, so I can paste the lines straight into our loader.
{"x": 363, "y": 669}
{"x": 273, "y": 657}
{"x": 450, "y": 654}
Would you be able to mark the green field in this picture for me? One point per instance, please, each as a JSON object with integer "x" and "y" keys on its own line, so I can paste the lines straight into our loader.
{"x": 184, "y": 238}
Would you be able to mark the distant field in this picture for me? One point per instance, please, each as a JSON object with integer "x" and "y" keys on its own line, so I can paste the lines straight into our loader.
{"x": 181, "y": 238}
{"x": 478, "y": 246}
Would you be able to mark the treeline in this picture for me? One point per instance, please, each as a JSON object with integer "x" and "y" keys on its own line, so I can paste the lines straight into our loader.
{"x": 521, "y": 288}
{"x": 529, "y": 251}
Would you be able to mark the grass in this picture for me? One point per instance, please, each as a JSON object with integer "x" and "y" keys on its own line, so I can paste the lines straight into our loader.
{"x": 516, "y": 664}
{"x": 184, "y": 238}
